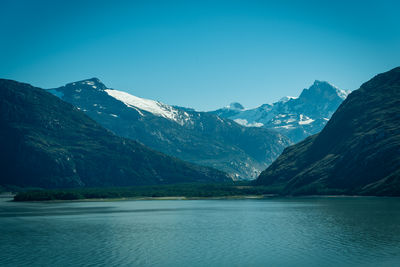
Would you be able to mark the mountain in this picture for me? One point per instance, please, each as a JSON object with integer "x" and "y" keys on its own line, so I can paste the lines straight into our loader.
{"x": 295, "y": 117}
{"x": 358, "y": 151}
{"x": 198, "y": 137}
{"x": 48, "y": 143}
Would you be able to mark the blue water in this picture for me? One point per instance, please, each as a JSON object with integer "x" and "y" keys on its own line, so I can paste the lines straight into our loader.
{"x": 269, "y": 232}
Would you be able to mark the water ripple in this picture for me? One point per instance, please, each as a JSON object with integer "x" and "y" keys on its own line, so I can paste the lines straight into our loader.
{"x": 277, "y": 232}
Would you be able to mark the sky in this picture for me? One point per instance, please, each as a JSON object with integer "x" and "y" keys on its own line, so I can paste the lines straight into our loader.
{"x": 199, "y": 54}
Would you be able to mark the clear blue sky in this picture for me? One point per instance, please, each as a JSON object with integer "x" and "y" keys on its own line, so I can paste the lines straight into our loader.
{"x": 200, "y": 54}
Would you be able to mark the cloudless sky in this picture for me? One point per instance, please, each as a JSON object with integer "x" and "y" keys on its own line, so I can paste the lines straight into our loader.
{"x": 200, "y": 54}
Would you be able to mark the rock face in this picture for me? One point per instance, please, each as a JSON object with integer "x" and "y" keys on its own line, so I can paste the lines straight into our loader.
{"x": 358, "y": 151}
{"x": 198, "y": 137}
{"x": 48, "y": 143}
{"x": 295, "y": 117}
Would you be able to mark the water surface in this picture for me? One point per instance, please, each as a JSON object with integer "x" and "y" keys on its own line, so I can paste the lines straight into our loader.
{"x": 253, "y": 232}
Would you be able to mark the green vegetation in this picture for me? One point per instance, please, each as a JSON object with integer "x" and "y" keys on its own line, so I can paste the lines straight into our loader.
{"x": 177, "y": 190}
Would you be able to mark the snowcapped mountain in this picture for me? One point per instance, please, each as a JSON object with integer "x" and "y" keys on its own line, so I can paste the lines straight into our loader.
{"x": 48, "y": 143}
{"x": 357, "y": 153}
{"x": 295, "y": 117}
{"x": 198, "y": 137}
{"x": 154, "y": 107}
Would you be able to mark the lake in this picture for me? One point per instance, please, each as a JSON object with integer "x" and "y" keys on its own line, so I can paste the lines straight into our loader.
{"x": 313, "y": 231}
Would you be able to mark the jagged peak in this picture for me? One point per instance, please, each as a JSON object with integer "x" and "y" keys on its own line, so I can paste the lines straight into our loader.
{"x": 323, "y": 85}
{"x": 320, "y": 86}
{"x": 93, "y": 82}
{"x": 94, "y": 79}
{"x": 318, "y": 82}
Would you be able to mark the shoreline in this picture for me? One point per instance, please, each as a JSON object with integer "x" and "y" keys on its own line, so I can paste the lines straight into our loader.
{"x": 236, "y": 197}
{"x": 150, "y": 198}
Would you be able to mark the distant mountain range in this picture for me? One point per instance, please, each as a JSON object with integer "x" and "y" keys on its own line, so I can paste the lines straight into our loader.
{"x": 46, "y": 142}
{"x": 199, "y": 137}
{"x": 358, "y": 151}
{"x": 294, "y": 117}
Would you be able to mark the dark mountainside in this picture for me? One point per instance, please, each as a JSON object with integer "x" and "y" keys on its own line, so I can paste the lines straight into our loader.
{"x": 358, "y": 152}
{"x": 197, "y": 137}
{"x": 48, "y": 143}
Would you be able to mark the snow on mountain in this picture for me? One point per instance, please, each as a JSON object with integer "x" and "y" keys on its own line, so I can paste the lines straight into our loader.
{"x": 340, "y": 92}
{"x": 197, "y": 137}
{"x": 296, "y": 117}
{"x": 94, "y": 83}
{"x": 154, "y": 107}
{"x": 326, "y": 86}
{"x": 244, "y": 122}
{"x": 305, "y": 120}
{"x": 141, "y": 105}
{"x": 286, "y": 98}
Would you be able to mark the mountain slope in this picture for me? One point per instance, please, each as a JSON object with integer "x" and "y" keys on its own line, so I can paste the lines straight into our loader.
{"x": 295, "y": 117}
{"x": 358, "y": 151}
{"x": 198, "y": 137}
{"x": 48, "y": 143}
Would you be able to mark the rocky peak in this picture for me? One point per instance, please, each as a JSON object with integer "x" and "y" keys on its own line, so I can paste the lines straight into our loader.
{"x": 94, "y": 83}
{"x": 323, "y": 90}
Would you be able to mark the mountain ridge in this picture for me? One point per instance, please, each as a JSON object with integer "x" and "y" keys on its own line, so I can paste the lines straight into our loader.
{"x": 358, "y": 151}
{"x": 198, "y": 137}
{"x": 295, "y": 117}
{"x": 49, "y": 143}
